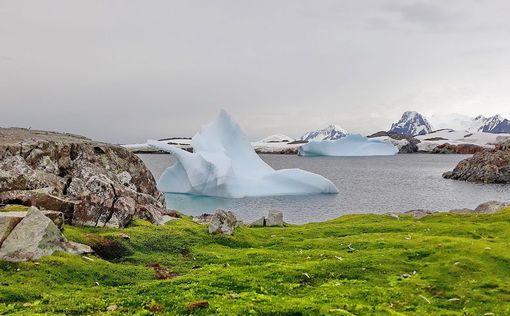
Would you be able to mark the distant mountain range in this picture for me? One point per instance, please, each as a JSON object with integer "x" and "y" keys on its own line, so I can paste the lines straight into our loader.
{"x": 331, "y": 132}
{"x": 413, "y": 123}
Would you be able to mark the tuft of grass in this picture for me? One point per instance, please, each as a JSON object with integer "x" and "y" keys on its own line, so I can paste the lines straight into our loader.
{"x": 14, "y": 208}
{"x": 443, "y": 264}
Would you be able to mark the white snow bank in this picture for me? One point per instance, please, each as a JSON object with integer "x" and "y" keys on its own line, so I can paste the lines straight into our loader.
{"x": 453, "y": 137}
{"x": 349, "y": 146}
{"x": 224, "y": 164}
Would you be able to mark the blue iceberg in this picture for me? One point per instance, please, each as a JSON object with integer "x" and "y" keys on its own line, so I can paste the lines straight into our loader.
{"x": 224, "y": 164}
{"x": 349, "y": 146}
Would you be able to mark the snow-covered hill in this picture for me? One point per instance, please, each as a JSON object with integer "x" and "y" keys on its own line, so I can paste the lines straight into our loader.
{"x": 411, "y": 123}
{"x": 277, "y": 138}
{"x": 332, "y": 132}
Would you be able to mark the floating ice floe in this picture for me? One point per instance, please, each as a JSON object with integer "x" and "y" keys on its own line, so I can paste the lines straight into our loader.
{"x": 348, "y": 146}
{"x": 224, "y": 164}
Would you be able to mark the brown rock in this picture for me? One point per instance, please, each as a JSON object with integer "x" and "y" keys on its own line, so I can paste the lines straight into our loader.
{"x": 489, "y": 166}
{"x": 457, "y": 149}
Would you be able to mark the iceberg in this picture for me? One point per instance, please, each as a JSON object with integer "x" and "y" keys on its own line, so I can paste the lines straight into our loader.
{"x": 224, "y": 164}
{"x": 349, "y": 146}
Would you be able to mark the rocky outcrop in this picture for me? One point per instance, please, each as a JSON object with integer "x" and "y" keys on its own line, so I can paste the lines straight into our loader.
{"x": 223, "y": 222}
{"x": 34, "y": 236}
{"x": 406, "y": 144}
{"x": 91, "y": 183}
{"x": 488, "y": 166}
{"x": 467, "y": 149}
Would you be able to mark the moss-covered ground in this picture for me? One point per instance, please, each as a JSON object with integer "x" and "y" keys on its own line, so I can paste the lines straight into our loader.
{"x": 442, "y": 264}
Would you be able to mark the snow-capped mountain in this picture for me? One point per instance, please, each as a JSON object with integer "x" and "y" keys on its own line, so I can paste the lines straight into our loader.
{"x": 411, "y": 123}
{"x": 494, "y": 124}
{"x": 331, "y": 132}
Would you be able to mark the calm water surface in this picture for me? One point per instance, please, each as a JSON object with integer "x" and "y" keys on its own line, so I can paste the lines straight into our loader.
{"x": 366, "y": 185}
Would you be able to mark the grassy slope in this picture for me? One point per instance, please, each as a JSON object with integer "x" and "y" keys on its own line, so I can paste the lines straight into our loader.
{"x": 462, "y": 266}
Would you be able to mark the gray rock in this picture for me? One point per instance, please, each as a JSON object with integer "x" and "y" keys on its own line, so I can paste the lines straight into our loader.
{"x": 274, "y": 218}
{"x": 491, "y": 207}
{"x": 76, "y": 248}
{"x": 223, "y": 223}
{"x": 35, "y": 236}
{"x": 7, "y": 223}
{"x": 261, "y": 222}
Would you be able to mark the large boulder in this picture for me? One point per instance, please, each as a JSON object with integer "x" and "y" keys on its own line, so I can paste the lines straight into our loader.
{"x": 274, "y": 218}
{"x": 489, "y": 166}
{"x": 223, "y": 222}
{"x": 36, "y": 236}
{"x": 92, "y": 183}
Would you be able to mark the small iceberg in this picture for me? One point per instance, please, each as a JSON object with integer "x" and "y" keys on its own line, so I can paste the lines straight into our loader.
{"x": 349, "y": 146}
{"x": 224, "y": 164}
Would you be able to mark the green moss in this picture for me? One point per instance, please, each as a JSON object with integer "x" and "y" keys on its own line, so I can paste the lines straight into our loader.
{"x": 443, "y": 264}
{"x": 14, "y": 208}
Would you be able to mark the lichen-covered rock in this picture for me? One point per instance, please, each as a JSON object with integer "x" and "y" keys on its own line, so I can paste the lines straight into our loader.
{"x": 489, "y": 166}
{"x": 223, "y": 223}
{"x": 92, "y": 183}
{"x": 35, "y": 236}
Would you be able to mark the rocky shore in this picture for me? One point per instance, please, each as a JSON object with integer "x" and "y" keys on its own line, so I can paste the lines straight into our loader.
{"x": 487, "y": 166}
{"x": 91, "y": 183}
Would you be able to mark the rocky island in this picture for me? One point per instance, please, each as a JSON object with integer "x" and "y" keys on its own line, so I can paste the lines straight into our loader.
{"x": 488, "y": 166}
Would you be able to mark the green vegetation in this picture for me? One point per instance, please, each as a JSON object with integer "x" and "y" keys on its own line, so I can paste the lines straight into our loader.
{"x": 443, "y": 264}
{"x": 14, "y": 208}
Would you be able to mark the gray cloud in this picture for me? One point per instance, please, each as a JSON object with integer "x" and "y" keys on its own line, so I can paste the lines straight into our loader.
{"x": 124, "y": 71}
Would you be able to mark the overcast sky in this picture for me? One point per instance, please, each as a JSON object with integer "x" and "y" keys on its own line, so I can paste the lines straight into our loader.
{"x": 124, "y": 71}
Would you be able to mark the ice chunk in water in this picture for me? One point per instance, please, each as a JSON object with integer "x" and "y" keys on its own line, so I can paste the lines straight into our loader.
{"x": 348, "y": 146}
